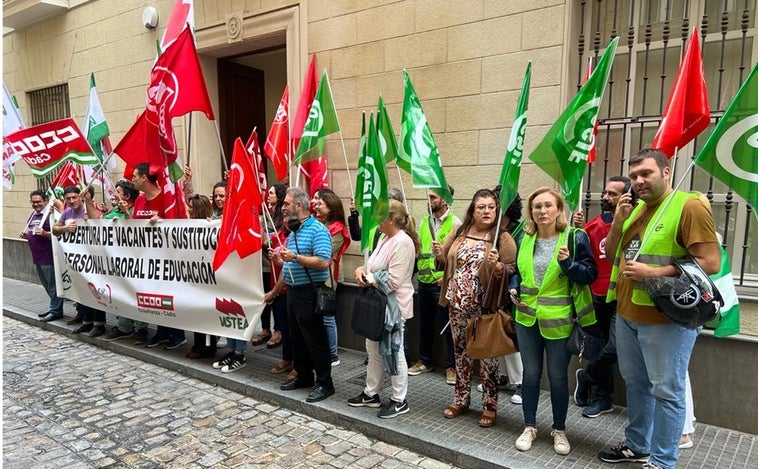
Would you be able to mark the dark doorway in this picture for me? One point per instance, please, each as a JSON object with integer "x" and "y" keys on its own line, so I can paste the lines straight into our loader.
{"x": 242, "y": 104}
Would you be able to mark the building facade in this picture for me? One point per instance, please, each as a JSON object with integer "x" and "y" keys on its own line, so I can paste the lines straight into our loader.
{"x": 466, "y": 59}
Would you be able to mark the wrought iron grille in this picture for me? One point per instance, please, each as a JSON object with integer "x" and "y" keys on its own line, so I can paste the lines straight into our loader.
{"x": 653, "y": 35}
{"x": 46, "y": 105}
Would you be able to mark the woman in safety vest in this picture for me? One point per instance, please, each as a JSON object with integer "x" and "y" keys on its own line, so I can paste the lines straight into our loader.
{"x": 469, "y": 259}
{"x": 554, "y": 269}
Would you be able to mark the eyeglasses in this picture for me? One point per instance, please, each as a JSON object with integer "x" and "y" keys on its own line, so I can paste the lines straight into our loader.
{"x": 486, "y": 208}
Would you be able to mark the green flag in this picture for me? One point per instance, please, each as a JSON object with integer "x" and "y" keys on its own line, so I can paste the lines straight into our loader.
{"x": 730, "y": 154}
{"x": 511, "y": 172}
{"x": 562, "y": 154}
{"x": 322, "y": 121}
{"x": 387, "y": 141}
{"x": 371, "y": 185}
{"x": 418, "y": 147}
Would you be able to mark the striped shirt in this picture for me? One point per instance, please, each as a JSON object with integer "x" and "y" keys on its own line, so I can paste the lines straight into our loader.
{"x": 313, "y": 239}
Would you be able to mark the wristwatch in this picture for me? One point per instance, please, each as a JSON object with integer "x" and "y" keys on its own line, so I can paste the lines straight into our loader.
{"x": 294, "y": 257}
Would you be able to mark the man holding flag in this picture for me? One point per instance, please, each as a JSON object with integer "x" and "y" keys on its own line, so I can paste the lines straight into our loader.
{"x": 653, "y": 352}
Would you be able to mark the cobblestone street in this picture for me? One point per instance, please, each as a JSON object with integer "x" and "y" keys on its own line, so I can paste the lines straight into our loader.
{"x": 68, "y": 404}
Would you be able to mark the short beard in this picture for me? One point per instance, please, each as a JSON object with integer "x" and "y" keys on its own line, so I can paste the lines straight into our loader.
{"x": 606, "y": 206}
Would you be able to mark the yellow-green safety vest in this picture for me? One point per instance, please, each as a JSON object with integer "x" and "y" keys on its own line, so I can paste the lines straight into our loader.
{"x": 550, "y": 303}
{"x": 426, "y": 271}
{"x": 658, "y": 249}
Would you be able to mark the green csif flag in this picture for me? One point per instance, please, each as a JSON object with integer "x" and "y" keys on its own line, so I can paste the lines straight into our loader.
{"x": 728, "y": 320}
{"x": 387, "y": 140}
{"x": 418, "y": 147}
{"x": 730, "y": 154}
{"x": 562, "y": 153}
{"x": 371, "y": 185}
{"x": 511, "y": 172}
{"x": 322, "y": 121}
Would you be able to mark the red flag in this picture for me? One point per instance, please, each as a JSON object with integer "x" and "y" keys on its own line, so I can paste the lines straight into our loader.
{"x": 277, "y": 140}
{"x": 592, "y": 150}
{"x": 68, "y": 175}
{"x": 317, "y": 173}
{"x": 182, "y": 13}
{"x": 45, "y": 146}
{"x": 173, "y": 196}
{"x": 253, "y": 149}
{"x": 240, "y": 226}
{"x": 686, "y": 113}
{"x": 307, "y": 93}
{"x": 176, "y": 87}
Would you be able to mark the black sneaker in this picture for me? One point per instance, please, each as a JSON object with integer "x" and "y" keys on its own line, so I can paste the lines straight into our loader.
{"x": 116, "y": 334}
{"x": 583, "y": 388}
{"x": 226, "y": 360}
{"x": 362, "y": 400}
{"x": 393, "y": 409}
{"x": 622, "y": 453}
{"x": 97, "y": 331}
{"x": 237, "y": 362}
{"x": 175, "y": 342}
{"x": 600, "y": 406}
{"x": 156, "y": 341}
{"x": 140, "y": 337}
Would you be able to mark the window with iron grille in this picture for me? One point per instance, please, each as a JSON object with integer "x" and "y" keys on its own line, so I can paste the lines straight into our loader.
{"x": 46, "y": 105}
{"x": 653, "y": 35}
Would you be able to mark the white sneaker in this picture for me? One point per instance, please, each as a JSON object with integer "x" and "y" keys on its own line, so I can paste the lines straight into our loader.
{"x": 560, "y": 442}
{"x": 524, "y": 442}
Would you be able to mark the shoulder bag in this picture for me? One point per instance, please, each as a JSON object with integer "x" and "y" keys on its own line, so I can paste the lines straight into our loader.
{"x": 326, "y": 296}
{"x": 369, "y": 313}
{"x": 491, "y": 333}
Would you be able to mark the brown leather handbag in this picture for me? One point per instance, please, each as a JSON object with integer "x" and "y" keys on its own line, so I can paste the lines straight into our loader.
{"x": 492, "y": 332}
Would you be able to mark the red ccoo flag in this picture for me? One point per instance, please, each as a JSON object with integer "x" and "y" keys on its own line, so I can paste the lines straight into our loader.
{"x": 686, "y": 113}
{"x": 240, "y": 226}
{"x": 277, "y": 141}
{"x": 176, "y": 87}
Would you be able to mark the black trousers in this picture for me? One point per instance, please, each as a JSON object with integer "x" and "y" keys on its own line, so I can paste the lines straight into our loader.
{"x": 310, "y": 345}
{"x": 600, "y": 371}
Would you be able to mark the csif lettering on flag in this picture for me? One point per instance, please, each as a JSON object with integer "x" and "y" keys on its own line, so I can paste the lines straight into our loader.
{"x": 564, "y": 150}
{"x": 322, "y": 121}
{"x": 45, "y": 146}
{"x": 511, "y": 172}
{"x": 731, "y": 152}
{"x": 418, "y": 146}
{"x": 371, "y": 184}
{"x": 240, "y": 226}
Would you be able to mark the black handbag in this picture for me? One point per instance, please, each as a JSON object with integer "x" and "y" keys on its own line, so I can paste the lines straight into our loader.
{"x": 326, "y": 296}
{"x": 369, "y": 314}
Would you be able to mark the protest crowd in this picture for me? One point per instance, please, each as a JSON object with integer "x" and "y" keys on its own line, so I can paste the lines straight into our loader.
{"x": 516, "y": 285}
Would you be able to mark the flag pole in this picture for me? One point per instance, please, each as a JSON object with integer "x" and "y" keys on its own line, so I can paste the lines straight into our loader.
{"x": 189, "y": 137}
{"x": 402, "y": 188}
{"x": 347, "y": 165}
{"x": 665, "y": 206}
{"x": 220, "y": 146}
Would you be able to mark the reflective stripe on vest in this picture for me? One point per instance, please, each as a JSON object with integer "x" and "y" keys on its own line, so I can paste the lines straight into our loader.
{"x": 550, "y": 304}
{"x": 658, "y": 248}
{"x": 426, "y": 262}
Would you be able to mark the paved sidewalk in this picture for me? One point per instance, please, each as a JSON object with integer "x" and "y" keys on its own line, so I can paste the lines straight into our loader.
{"x": 423, "y": 430}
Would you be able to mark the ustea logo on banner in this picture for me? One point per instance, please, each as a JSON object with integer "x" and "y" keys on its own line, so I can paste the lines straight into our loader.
{"x": 233, "y": 316}
{"x": 155, "y": 301}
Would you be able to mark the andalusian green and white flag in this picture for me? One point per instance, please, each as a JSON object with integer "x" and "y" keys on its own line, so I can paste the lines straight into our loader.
{"x": 562, "y": 153}
{"x": 731, "y": 152}
{"x": 322, "y": 121}
{"x": 387, "y": 140}
{"x": 511, "y": 172}
{"x": 96, "y": 131}
{"x": 12, "y": 121}
{"x": 728, "y": 321}
{"x": 418, "y": 146}
{"x": 371, "y": 186}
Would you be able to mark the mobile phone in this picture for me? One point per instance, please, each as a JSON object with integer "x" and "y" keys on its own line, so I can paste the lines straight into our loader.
{"x": 634, "y": 198}
{"x": 516, "y": 297}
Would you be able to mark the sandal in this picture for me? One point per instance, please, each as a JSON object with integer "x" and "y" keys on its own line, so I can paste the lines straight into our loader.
{"x": 276, "y": 340}
{"x": 262, "y": 337}
{"x": 487, "y": 419}
{"x": 281, "y": 367}
{"x": 453, "y": 411}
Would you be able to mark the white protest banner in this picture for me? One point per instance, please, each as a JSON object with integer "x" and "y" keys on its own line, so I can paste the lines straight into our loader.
{"x": 160, "y": 274}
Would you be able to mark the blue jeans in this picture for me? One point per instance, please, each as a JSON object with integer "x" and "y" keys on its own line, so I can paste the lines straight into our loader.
{"x": 238, "y": 345}
{"x": 533, "y": 346}
{"x": 330, "y": 323}
{"x": 653, "y": 360}
{"x": 46, "y": 274}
